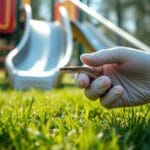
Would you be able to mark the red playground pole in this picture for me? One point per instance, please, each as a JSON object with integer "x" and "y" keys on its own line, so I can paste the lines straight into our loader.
{"x": 8, "y": 16}
{"x": 71, "y": 8}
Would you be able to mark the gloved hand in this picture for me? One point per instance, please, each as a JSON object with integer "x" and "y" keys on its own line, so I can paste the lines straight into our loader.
{"x": 124, "y": 77}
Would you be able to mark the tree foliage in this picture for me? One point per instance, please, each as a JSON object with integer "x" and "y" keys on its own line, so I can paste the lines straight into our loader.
{"x": 131, "y": 15}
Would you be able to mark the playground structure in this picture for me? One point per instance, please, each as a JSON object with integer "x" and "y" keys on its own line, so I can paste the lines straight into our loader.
{"x": 7, "y": 18}
{"x": 112, "y": 27}
{"x": 35, "y": 62}
{"x": 53, "y": 46}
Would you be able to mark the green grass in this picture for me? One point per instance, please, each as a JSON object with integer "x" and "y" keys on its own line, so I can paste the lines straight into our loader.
{"x": 63, "y": 119}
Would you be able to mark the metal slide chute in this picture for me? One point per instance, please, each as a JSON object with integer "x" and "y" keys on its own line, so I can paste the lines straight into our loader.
{"x": 92, "y": 38}
{"x": 43, "y": 49}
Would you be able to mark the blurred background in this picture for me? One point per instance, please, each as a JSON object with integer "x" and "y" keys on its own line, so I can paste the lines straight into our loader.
{"x": 131, "y": 15}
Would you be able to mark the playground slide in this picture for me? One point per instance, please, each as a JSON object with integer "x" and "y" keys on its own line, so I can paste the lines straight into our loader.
{"x": 43, "y": 49}
{"x": 92, "y": 38}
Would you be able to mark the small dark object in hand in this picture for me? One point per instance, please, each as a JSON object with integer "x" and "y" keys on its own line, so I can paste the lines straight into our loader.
{"x": 81, "y": 69}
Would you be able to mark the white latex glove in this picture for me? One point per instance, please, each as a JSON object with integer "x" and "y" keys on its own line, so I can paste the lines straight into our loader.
{"x": 124, "y": 79}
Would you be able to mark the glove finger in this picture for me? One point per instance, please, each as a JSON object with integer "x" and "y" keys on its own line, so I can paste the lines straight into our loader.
{"x": 112, "y": 96}
{"x": 98, "y": 87}
{"x": 82, "y": 80}
{"x": 108, "y": 56}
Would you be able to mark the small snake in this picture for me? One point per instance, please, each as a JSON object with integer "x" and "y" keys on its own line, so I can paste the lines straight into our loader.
{"x": 91, "y": 72}
{"x": 81, "y": 69}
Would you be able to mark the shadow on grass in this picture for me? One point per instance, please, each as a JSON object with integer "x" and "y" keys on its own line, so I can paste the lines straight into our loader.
{"x": 4, "y": 85}
{"x": 4, "y": 81}
{"x": 69, "y": 85}
{"x": 65, "y": 81}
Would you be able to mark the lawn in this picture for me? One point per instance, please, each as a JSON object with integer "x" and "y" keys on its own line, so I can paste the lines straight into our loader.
{"x": 63, "y": 119}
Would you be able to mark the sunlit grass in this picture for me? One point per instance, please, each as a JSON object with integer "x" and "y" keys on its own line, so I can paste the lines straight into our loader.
{"x": 63, "y": 119}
